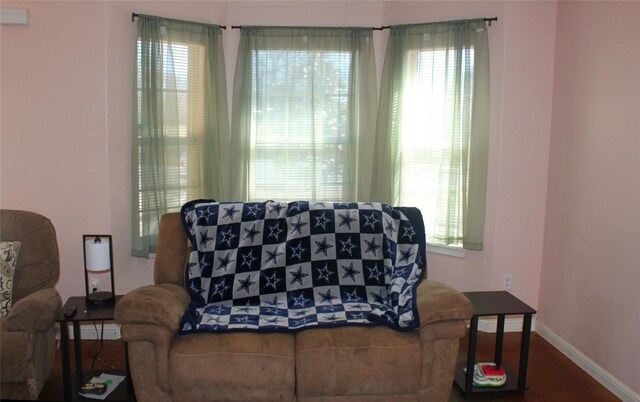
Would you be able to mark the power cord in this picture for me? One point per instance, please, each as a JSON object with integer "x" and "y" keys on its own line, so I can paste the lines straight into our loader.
{"x": 99, "y": 342}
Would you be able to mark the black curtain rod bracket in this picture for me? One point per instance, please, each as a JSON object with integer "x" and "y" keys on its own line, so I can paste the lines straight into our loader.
{"x": 489, "y": 20}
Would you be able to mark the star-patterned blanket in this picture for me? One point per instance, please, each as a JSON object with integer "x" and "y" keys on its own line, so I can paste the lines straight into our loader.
{"x": 273, "y": 266}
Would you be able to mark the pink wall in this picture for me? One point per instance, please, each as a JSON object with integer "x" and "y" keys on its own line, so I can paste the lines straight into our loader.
{"x": 591, "y": 264}
{"x": 66, "y": 93}
{"x": 54, "y": 142}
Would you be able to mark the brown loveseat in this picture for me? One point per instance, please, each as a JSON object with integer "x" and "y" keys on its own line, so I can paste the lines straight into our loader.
{"x": 28, "y": 333}
{"x": 310, "y": 365}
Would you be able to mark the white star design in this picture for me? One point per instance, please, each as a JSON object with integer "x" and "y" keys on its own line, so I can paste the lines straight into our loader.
{"x": 299, "y": 301}
{"x": 248, "y": 259}
{"x": 272, "y": 281}
{"x": 321, "y": 221}
{"x": 296, "y": 252}
{"x": 347, "y": 246}
{"x": 370, "y": 220}
{"x": 323, "y": 273}
{"x": 253, "y": 210}
{"x": 275, "y": 231}
{"x": 409, "y": 232}
{"x": 227, "y": 237}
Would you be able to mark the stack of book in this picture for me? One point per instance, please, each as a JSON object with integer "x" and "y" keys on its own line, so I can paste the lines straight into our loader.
{"x": 488, "y": 375}
{"x": 100, "y": 387}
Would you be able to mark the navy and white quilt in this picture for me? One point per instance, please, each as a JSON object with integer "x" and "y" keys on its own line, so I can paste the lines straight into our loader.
{"x": 273, "y": 266}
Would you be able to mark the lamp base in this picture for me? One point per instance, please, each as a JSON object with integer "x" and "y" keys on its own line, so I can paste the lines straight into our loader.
{"x": 100, "y": 298}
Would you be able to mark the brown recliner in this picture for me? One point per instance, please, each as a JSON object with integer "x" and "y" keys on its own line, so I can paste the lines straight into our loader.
{"x": 28, "y": 333}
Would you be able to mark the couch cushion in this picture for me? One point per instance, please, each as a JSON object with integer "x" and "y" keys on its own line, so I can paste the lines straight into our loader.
{"x": 8, "y": 257}
{"x": 238, "y": 366}
{"x": 357, "y": 361}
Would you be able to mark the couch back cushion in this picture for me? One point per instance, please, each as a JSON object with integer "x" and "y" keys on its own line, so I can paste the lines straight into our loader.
{"x": 38, "y": 265}
{"x": 171, "y": 251}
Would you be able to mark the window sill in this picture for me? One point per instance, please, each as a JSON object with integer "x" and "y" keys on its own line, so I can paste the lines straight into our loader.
{"x": 457, "y": 252}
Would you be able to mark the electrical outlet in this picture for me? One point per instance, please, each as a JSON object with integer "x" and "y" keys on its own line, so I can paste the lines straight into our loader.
{"x": 95, "y": 285}
{"x": 506, "y": 281}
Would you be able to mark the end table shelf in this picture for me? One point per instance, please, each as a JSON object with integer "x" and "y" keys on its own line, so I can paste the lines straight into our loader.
{"x": 85, "y": 312}
{"x": 500, "y": 304}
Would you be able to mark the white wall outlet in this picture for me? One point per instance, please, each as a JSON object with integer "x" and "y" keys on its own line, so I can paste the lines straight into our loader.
{"x": 506, "y": 281}
{"x": 95, "y": 284}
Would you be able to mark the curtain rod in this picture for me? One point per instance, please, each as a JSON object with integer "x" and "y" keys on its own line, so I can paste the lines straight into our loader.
{"x": 381, "y": 28}
{"x": 135, "y": 15}
{"x": 489, "y": 20}
{"x": 373, "y": 28}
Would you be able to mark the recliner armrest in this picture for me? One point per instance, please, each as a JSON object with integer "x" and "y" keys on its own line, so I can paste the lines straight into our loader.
{"x": 34, "y": 313}
{"x": 161, "y": 304}
{"x": 439, "y": 302}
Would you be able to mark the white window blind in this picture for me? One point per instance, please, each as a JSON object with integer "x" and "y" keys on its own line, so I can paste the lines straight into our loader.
{"x": 181, "y": 110}
{"x": 183, "y": 127}
{"x": 300, "y": 122}
{"x": 432, "y": 109}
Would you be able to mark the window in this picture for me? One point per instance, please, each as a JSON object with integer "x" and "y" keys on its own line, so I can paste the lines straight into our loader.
{"x": 427, "y": 124}
{"x": 180, "y": 112}
{"x": 433, "y": 128}
{"x": 300, "y": 120}
{"x": 182, "y": 132}
{"x": 303, "y": 90}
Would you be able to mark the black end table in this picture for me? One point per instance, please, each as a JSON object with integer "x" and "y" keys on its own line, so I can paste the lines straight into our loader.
{"x": 501, "y": 304}
{"x": 86, "y": 312}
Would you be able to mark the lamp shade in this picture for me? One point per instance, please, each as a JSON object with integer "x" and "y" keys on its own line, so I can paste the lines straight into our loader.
{"x": 98, "y": 255}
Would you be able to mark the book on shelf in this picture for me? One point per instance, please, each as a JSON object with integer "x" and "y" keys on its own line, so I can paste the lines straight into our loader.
{"x": 491, "y": 370}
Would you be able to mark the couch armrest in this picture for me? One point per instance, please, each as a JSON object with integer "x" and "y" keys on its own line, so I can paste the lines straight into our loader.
{"x": 439, "y": 302}
{"x": 443, "y": 311}
{"x": 34, "y": 313}
{"x": 150, "y": 318}
{"x": 162, "y": 304}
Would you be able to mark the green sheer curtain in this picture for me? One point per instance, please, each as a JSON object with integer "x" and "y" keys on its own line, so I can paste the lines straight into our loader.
{"x": 180, "y": 122}
{"x": 433, "y": 127}
{"x": 303, "y": 122}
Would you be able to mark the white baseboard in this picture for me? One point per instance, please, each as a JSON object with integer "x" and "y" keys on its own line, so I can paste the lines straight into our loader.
{"x": 589, "y": 366}
{"x": 510, "y": 324}
{"x": 88, "y": 331}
